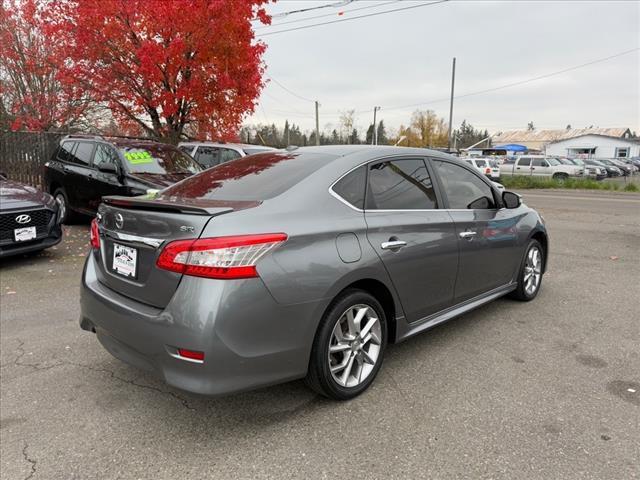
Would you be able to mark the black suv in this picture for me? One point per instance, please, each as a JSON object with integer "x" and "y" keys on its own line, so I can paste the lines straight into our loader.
{"x": 85, "y": 168}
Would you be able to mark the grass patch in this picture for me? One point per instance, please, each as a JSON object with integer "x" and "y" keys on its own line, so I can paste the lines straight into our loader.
{"x": 521, "y": 181}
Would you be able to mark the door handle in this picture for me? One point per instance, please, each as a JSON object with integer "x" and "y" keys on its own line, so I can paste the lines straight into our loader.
{"x": 468, "y": 235}
{"x": 392, "y": 245}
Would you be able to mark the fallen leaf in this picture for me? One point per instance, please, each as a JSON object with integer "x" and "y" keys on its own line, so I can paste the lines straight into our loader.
{"x": 613, "y": 257}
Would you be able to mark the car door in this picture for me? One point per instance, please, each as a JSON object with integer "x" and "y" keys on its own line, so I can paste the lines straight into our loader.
{"x": 103, "y": 184}
{"x": 540, "y": 168}
{"x": 415, "y": 239}
{"x": 523, "y": 166}
{"x": 486, "y": 234}
{"x": 77, "y": 173}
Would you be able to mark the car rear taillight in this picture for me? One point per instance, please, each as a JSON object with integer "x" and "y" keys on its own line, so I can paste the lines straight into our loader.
{"x": 220, "y": 257}
{"x": 95, "y": 234}
{"x": 487, "y": 170}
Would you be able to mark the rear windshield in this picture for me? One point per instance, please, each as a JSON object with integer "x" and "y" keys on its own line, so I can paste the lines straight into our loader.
{"x": 256, "y": 177}
{"x": 159, "y": 159}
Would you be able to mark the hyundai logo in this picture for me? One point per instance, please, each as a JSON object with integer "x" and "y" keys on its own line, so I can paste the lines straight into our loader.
{"x": 22, "y": 219}
{"x": 119, "y": 221}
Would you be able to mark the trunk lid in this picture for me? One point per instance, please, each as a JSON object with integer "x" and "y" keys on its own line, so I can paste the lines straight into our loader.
{"x": 135, "y": 230}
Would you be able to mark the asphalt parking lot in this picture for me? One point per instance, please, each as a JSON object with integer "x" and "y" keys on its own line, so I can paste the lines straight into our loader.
{"x": 547, "y": 389}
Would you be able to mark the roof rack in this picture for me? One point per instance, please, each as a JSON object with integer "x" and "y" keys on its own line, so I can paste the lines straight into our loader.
{"x": 85, "y": 135}
{"x": 131, "y": 137}
{"x": 104, "y": 137}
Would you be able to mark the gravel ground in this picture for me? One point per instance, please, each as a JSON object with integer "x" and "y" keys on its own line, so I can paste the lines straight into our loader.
{"x": 546, "y": 389}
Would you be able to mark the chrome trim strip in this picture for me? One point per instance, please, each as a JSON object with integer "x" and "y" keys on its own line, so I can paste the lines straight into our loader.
{"x": 152, "y": 242}
{"x": 180, "y": 357}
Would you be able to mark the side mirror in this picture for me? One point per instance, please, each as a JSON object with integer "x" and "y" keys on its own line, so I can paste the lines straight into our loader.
{"x": 511, "y": 200}
{"x": 108, "y": 168}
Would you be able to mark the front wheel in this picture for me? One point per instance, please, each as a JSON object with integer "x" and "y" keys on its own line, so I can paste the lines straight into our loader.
{"x": 349, "y": 346}
{"x": 530, "y": 275}
{"x": 561, "y": 177}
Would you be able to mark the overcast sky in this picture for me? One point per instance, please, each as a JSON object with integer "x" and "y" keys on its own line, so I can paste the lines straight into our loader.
{"x": 404, "y": 58}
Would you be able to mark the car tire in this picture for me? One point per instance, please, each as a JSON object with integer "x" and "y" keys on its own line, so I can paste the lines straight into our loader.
{"x": 528, "y": 268}
{"x": 68, "y": 216}
{"x": 344, "y": 348}
{"x": 560, "y": 176}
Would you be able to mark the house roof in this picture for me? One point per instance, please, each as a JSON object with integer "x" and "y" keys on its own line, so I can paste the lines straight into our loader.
{"x": 545, "y": 136}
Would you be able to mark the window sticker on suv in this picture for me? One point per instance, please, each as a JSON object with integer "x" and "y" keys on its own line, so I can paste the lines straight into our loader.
{"x": 139, "y": 157}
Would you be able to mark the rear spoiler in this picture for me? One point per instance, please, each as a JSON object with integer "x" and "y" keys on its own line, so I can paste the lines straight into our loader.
{"x": 144, "y": 203}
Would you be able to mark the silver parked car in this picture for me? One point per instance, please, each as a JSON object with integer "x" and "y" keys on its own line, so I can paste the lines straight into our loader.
{"x": 302, "y": 264}
{"x": 210, "y": 154}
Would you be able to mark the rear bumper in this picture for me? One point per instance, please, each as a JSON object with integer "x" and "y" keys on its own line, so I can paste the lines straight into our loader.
{"x": 249, "y": 340}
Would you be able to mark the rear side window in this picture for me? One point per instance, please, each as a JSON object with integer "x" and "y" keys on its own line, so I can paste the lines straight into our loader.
{"x": 463, "y": 188}
{"x": 352, "y": 186}
{"x": 207, "y": 156}
{"x": 257, "y": 177}
{"x": 82, "y": 153}
{"x": 186, "y": 149}
{"x": 227, "y": 154}
{"x": 400, "y": 185}
{"x": 66, "y": 150}
{"x": 524, "y": 162}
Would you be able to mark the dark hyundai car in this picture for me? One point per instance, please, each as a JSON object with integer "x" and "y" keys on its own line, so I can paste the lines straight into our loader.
{"x": 29, "y": 219}
{"x": 302, "y": 264}
{"x": 85, "y": 168}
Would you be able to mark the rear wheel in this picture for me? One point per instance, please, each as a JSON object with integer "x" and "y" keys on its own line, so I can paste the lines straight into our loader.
{"x": 66, "y": 214}
{"x": 349, "y": 346}
{"x": 530, "y": 275}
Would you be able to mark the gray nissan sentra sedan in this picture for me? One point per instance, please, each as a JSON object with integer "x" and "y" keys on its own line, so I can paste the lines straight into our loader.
{"x": 302, "y": 264}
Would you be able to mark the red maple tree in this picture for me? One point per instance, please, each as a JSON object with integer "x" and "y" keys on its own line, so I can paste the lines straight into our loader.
{"x": 168, "y": 67}
{"x": 33, "y": 95}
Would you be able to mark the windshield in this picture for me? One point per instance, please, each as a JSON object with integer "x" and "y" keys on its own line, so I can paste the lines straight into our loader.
{"x": 158, "y": 159}
{"x": 553, "y": 161}
{"x": 577, "y": 161}
{"x": 481, "y": 163}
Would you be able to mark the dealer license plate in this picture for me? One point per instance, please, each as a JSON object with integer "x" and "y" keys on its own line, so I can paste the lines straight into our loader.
{"x": 25, "y": 233}
{"x": 125, "y": 260}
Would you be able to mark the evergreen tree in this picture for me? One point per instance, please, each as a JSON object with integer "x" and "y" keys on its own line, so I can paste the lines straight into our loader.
{"x": 382, "y": 134}
{"x": 368, "y": 139}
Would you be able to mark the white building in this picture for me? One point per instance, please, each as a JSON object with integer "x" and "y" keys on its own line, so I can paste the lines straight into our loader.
{"x": 595, "y": 146}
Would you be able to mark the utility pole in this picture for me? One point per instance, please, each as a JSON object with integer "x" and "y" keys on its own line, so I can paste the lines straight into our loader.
{"x": 453, "y": 82}
{"x": 374, "y": 137}
{"x": 317, "y": 125}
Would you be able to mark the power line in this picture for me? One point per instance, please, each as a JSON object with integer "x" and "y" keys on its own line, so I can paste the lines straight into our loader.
{"x": 290, "y": 91}
{"x": 378, "y": 5}
{"x": 513, "y": 84}
{"x": 304, "y": 10}
{"x": 353, "y": 18}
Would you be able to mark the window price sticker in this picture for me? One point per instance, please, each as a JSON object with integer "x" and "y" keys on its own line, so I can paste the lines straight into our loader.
{"x": 139, "y": 157}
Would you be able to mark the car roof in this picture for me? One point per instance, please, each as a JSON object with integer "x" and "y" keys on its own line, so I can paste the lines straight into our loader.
{"x": 226, "y": 145}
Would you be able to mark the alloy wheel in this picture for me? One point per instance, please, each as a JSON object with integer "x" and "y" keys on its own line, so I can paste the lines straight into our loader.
{"x": 532, "y": 270}
{"x": 355, "y": 345}
{"x": 62, "y": 205}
